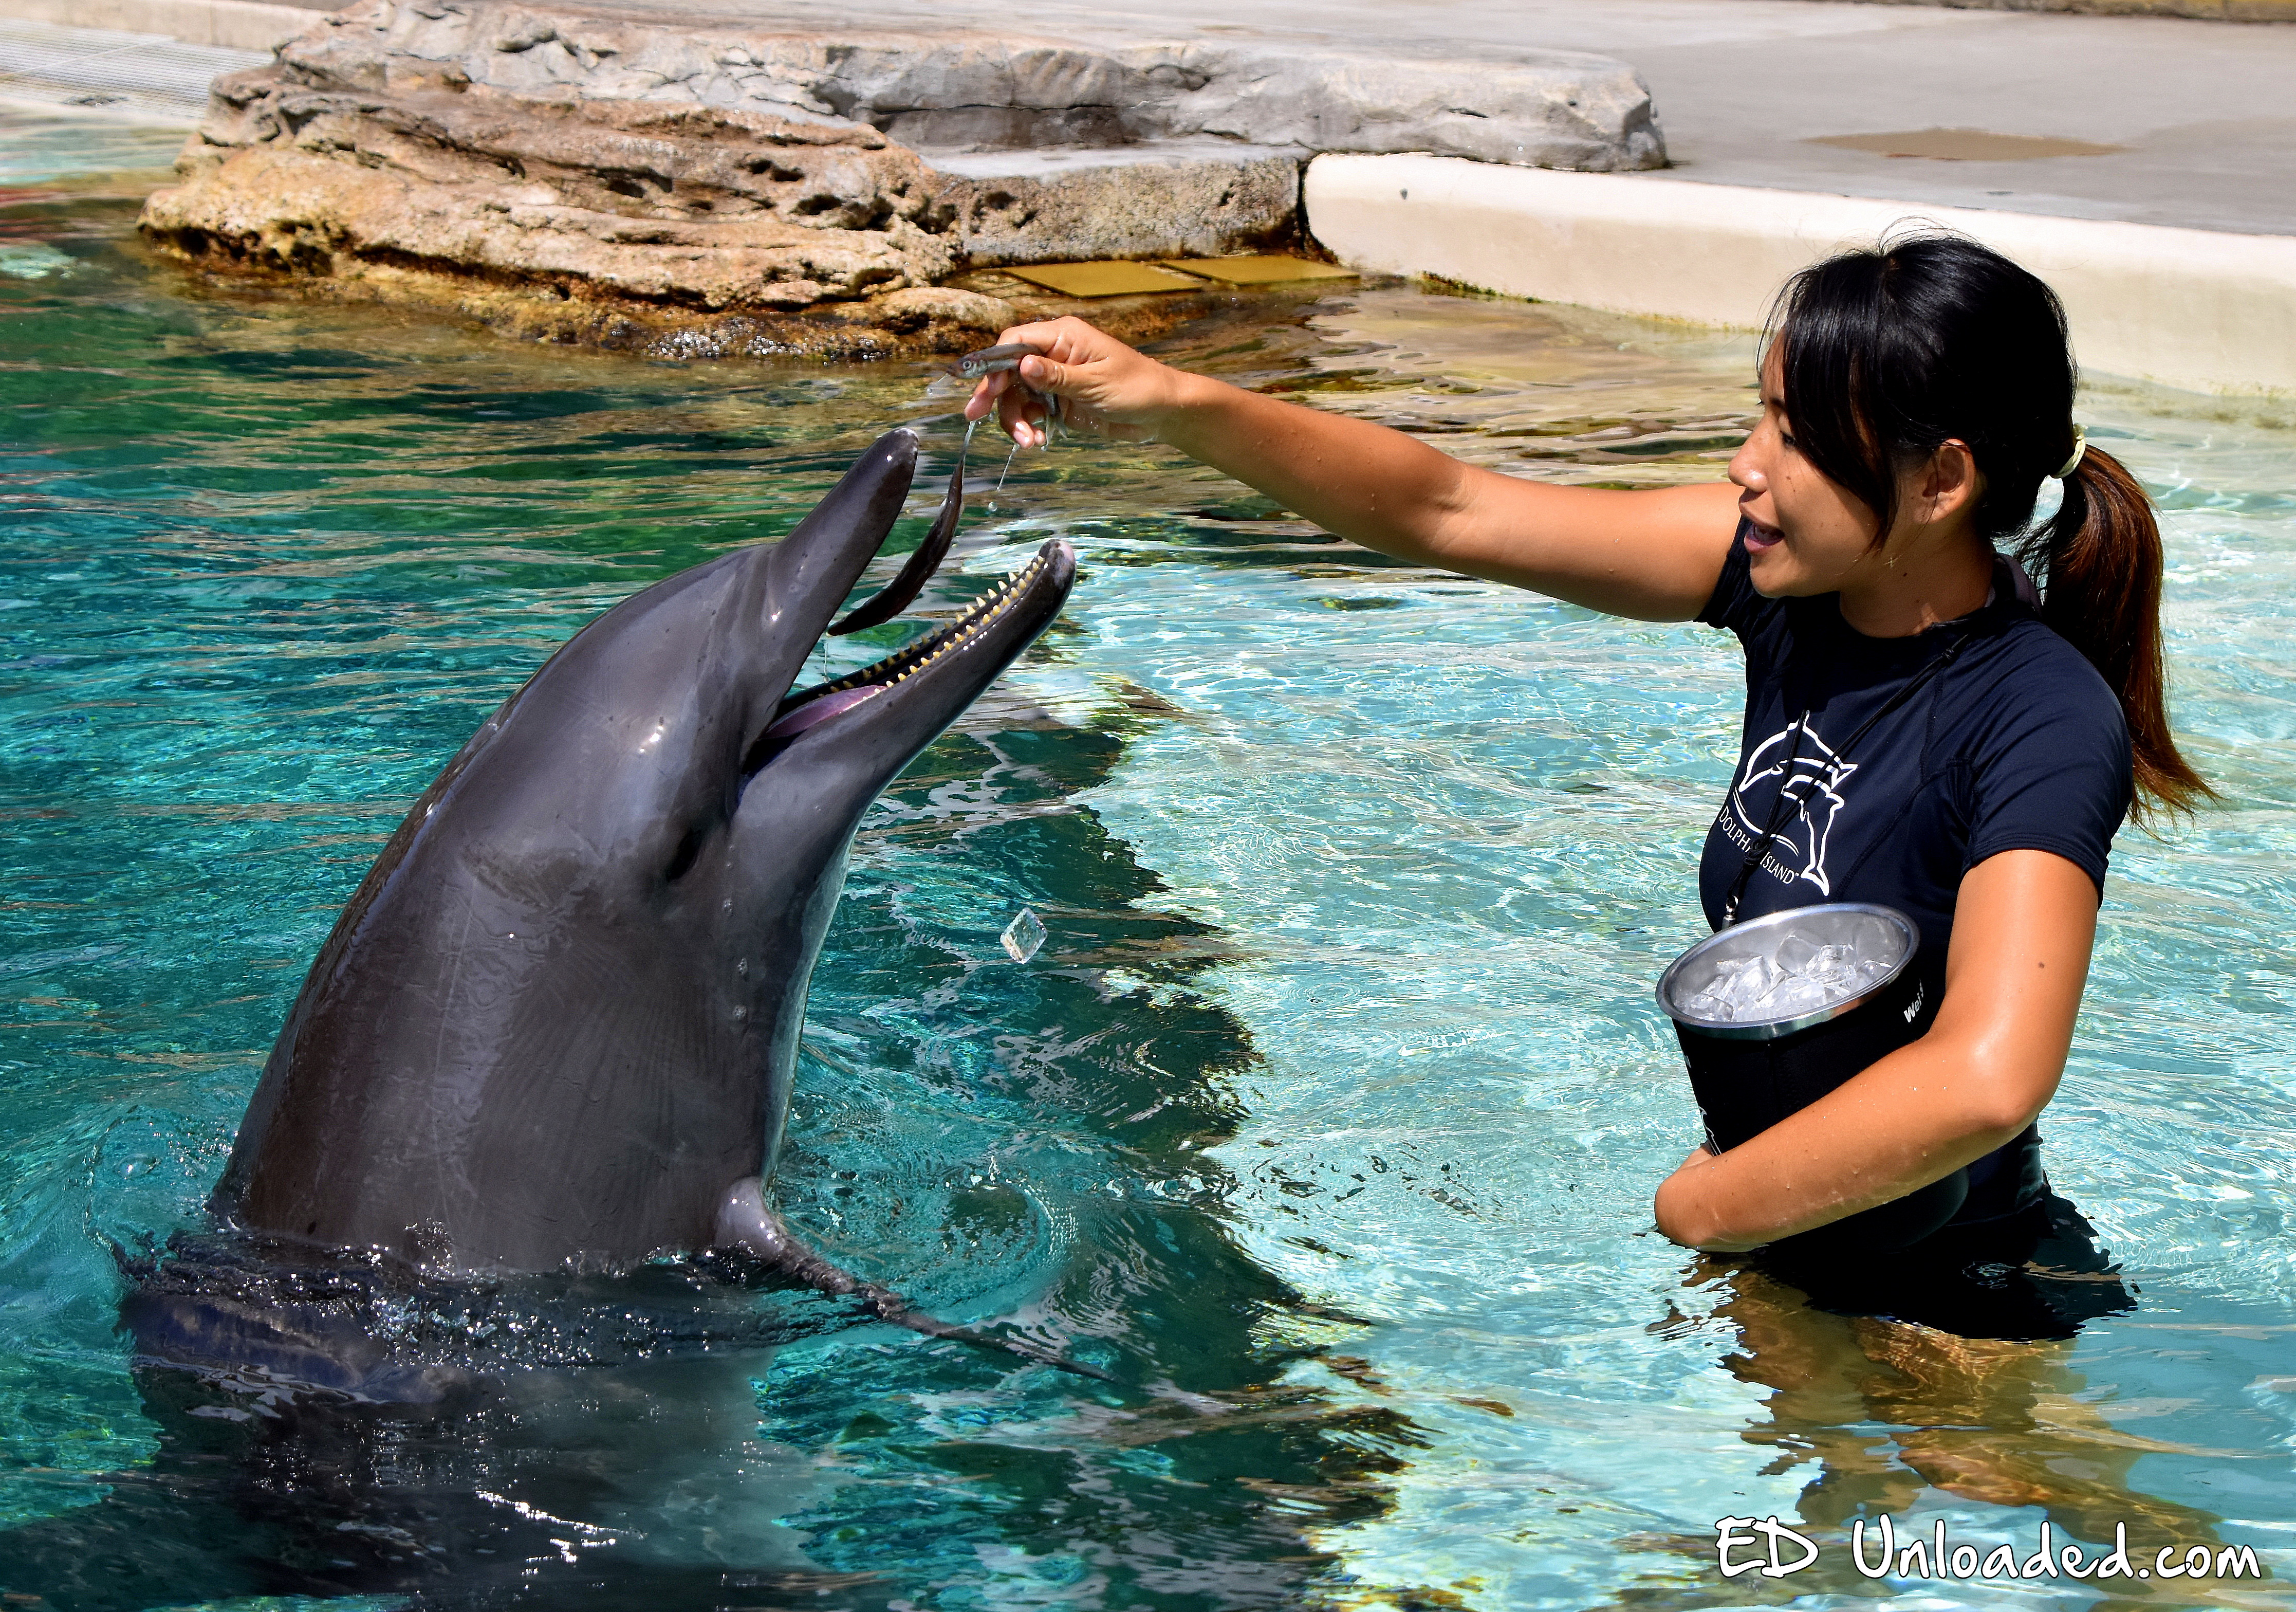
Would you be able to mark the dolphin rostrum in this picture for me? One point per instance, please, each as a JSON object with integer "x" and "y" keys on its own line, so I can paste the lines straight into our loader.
{"x": 555, "y": 1027}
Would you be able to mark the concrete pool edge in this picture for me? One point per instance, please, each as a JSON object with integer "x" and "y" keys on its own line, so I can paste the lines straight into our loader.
{"x": 2201, "y": 310}
{"x": 248, "y": 25}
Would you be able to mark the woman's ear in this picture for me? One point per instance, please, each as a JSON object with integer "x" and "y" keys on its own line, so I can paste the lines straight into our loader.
{"x": 1948, "y": 486}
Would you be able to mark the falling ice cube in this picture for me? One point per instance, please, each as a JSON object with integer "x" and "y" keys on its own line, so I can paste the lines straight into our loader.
{"x": 1023, "y": 935}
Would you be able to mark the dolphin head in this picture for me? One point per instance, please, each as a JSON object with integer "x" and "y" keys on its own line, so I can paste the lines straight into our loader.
{"x": 559, "y": 1017}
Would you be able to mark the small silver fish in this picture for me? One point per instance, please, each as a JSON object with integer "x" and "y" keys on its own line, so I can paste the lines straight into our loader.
{"x": 990, "y": 361}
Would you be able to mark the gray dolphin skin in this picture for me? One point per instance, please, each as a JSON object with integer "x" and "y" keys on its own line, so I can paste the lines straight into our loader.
{"x": 556, "y": 1025}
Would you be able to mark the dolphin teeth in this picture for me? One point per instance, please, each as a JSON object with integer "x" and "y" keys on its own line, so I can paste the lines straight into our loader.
{"x": 915, "y": 658}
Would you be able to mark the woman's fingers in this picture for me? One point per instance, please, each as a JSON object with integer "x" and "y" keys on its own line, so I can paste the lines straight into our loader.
{"x": 985, "y": 393}
{"x": 1104, "y": 385}
{"x": 1045, "y": 375}
{"x": 1017, "y": 410}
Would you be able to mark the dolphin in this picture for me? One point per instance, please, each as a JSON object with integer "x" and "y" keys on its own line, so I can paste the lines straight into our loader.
{"x": 555, "y": 1028}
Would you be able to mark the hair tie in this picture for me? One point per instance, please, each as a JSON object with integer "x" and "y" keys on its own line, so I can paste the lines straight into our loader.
{"x": 2080, "y": 447}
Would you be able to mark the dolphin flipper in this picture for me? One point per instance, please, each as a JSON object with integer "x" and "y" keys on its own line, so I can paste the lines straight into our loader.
{"x": 744, "y": 1221}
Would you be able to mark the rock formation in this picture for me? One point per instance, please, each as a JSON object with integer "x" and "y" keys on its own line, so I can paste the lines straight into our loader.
{"x": 629, "y": 179}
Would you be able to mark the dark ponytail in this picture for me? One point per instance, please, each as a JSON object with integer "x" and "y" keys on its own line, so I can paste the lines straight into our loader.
{"x": 1885, "y": 356}
{"x": 2099, "y": 560}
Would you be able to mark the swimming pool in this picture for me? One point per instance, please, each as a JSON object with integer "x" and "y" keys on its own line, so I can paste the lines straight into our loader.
{"x": 1331, "y": 1108}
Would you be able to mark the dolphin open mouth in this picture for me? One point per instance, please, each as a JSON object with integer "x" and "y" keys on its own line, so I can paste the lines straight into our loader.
{"x": 890, "y": 712}
{"x": 997, "y": 627}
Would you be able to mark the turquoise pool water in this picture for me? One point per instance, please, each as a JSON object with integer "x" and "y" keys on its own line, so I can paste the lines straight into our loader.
{"x": 1329, "y": 1112}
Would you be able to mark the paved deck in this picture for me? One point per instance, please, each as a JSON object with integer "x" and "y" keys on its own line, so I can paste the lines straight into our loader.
{"x": 2205, "y": 109}
{"x": 2199, "y": 115}
{"x": 146, "y": 80}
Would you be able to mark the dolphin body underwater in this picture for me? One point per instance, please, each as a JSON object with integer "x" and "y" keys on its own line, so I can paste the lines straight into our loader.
{"x": 555, "y": 1028}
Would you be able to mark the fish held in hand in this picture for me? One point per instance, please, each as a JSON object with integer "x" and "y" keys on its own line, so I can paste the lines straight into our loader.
{"x": 1005, "y": 359}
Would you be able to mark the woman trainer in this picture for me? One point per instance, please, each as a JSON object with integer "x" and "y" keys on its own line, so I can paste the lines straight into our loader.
{"x": 1953, "y": 741}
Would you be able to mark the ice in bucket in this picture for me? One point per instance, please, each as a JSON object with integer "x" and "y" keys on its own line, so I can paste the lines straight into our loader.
{"x": 1786, "y": 966}
{"x": 1797, "y": 978}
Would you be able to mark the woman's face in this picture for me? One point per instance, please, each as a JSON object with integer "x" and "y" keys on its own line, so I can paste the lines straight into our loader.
{"x": 1808, "y": 536}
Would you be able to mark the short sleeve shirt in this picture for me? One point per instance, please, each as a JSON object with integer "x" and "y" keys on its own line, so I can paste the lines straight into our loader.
{"x": 2015, "y": 743}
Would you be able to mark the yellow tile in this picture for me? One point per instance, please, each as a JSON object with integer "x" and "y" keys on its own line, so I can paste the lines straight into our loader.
{"x": 1268, "y": 270}
{"x": 1965, "y": 146}
{"x": 1107, "y": 279}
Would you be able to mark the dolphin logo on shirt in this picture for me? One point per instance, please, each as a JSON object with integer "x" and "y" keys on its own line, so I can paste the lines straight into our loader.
{"x": 1811, "y": 776}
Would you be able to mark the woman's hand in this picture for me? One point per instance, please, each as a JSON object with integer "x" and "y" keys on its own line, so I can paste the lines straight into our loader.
{"x": 1103, "y": 385}
{"x": 2023, "y": 925}
{"x": 1683, "y": 1214}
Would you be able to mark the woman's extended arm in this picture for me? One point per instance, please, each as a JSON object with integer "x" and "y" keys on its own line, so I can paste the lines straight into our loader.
{"x": 1654, "y": 555}
{"x": 2022, "y": 928}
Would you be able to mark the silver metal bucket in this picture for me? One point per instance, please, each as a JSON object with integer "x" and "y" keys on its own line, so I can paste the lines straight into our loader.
{"x": 1880, "y": 932}
{"x": 1747, "y": 1077}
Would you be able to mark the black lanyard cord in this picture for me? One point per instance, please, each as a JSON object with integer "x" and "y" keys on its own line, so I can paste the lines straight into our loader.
{"x": 1775, "y": 823}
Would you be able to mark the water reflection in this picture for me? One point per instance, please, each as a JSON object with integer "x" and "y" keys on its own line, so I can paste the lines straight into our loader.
{"x": 1871, "y": 1415}
{"x": 583, "y": 1487}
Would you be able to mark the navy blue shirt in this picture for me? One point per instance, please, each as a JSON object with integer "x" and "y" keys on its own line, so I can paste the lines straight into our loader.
{"x": 2016, "y": 744}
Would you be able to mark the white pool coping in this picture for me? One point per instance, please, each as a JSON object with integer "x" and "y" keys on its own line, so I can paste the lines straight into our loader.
{"x": 243, "y": 25}
{"x": 2203, "y": 310}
